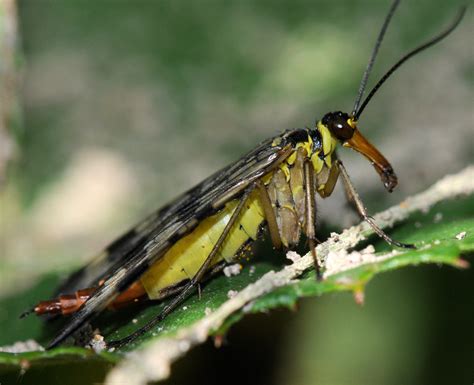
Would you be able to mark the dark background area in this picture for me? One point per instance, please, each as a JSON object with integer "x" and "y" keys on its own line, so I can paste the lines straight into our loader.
{"x": 127, "y": 104}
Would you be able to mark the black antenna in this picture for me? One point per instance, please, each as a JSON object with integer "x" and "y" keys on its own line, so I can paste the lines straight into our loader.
{"x": 407, "y": 56}
{"x": 371, "y": 62}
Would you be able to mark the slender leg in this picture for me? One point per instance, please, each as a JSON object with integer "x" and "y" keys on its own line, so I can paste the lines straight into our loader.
{"x": 191, "y": 285}
{"x": 355, "y": 198}
{"x": 269, "y": 215}
{"x": 310, "y": 213}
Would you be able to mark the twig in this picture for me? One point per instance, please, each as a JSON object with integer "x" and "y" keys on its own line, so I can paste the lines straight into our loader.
{"x": 153, "y": 362}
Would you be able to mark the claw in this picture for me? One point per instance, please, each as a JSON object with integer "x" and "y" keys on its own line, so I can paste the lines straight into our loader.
{"x": 27, "y": 313}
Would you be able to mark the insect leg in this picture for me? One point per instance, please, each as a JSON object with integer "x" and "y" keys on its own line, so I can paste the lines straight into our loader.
{"x": 310, "y": 212}
{"x": 191, "y": 285}
{"x": 355, "y": 199}
{"x": 331, "y": 181}
{"x": 269, "y": 214}
{"x": 177, "y": 288}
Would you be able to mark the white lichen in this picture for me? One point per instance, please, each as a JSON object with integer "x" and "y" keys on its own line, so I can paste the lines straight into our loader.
{"x": 22, "y": 347}
{"x": 97, "y": 343}
{"x": 293, "y": 256}
{"x": 232, "y": 270}
{"x": 337, "y": 261}
{"x": 232, "y": 293}
{"x": 153, "y": 361}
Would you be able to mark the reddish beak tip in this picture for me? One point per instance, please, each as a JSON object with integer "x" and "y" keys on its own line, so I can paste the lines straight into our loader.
{"x": 359, "y": 143}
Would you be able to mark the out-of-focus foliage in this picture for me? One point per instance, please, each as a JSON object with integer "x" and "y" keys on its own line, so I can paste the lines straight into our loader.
{"x": 126, "y": 104}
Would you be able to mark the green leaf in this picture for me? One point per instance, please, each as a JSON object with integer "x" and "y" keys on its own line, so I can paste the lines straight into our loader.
{"x": 433, "y": 232}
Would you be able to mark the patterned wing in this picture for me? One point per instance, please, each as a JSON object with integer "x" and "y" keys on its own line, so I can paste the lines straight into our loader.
{"x": 132, "y": 254}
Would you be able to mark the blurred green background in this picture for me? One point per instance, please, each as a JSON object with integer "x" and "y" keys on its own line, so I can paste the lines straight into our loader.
{"x": 126, "y": 104}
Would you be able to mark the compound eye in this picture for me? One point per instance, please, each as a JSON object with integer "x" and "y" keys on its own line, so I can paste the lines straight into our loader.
{"x": 341, "y": 129}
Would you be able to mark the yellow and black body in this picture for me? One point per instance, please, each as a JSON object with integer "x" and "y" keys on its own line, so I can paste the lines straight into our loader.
{"x": 284, "y": 187}
{"x": 281, "y": 176}
{"x": 272, "y": 187}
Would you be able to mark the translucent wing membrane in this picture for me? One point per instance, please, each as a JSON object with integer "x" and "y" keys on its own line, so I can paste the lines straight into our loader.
{"x": 132, "y": 254}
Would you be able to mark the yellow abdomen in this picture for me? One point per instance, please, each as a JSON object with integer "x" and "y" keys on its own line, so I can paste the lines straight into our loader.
{"x": 187, "y": 255}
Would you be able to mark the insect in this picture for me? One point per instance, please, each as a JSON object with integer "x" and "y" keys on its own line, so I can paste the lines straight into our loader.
{"x": 272, "y": 187}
